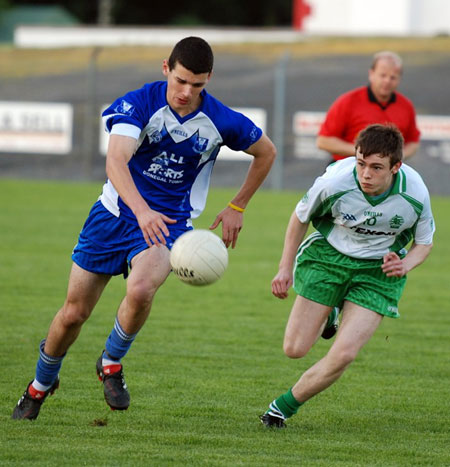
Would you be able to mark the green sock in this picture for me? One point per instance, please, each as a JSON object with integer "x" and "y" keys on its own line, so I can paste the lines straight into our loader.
{"x": 288, "y": 404}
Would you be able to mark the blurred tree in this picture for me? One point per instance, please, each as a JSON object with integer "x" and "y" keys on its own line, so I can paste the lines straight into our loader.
{"x": 214, "y": 13}
{"x": 4, "y": 4}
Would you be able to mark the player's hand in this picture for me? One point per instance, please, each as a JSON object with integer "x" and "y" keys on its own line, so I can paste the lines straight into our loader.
{"x": 153, "y": 226}
{"x": 393, "y": 266}
{"x": 232, "y": 222}
{"x": 281, "y": 283}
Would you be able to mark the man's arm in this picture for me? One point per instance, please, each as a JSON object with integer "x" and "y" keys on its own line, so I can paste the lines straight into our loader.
{"x": 335, "y": 145}
{"x": 295, "y": 233}
{"x": 393, "y": 266}
{"x": 152, "y": 223}
{"x": 410, "y": 149}
{"x": 263, "y": 152}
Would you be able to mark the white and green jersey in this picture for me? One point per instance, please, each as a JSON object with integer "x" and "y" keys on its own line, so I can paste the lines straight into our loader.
{"x": 363, "y": 227}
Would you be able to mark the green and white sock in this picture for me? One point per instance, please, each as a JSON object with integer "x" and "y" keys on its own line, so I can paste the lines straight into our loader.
{"x": 284, "y": 406}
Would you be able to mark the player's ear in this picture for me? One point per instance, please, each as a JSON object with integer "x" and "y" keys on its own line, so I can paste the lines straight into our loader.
{"x": 165, "y": 68}
{"x": 396, "y": 167}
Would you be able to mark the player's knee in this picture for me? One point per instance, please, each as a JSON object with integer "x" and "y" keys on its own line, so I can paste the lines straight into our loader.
{"x": 295, "y": 349}
{"x": 344, "y": 357}
{"x": 140, "y": 294}
{"x": 74, "y": 313}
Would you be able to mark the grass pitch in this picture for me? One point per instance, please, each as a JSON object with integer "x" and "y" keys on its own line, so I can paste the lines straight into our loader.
{"x": 209, "y": 360}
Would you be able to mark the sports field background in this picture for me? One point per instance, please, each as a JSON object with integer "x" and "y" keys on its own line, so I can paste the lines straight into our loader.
{"x": 317, "y": 71}
{"x": 209, "y": 360}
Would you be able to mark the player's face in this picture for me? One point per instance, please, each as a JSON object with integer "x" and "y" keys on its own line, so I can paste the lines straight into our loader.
{"x": 374, "y": 173}
{"x": 184, "y": 88}
{"x": 384, "y": 79}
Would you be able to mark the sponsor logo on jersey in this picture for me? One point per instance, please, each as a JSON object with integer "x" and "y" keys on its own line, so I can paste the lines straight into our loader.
{"x": 364, "y": 231}
{"x": 164, "y": 174}
{"x": 165, "y": 159}
{"x": 159, "y": 168}
{"x": 373, "y": 214}
{"x": 124, "y": 108}
{"x": 396, "y": 222}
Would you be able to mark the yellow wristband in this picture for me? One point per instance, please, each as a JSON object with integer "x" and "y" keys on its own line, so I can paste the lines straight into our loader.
{"x": 236, "y": 208}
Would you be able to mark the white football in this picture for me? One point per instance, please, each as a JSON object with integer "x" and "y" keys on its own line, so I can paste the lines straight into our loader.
{"x": 199, "y": 257}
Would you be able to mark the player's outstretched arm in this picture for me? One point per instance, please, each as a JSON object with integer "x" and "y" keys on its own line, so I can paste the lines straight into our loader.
{"x": 295, "y": 233}
{"x": 263, "y": 152}
{"x": 393, "y": 266}
{"x": 152, "y": 223}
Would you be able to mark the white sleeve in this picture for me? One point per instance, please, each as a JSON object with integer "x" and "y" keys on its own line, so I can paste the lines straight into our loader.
{"x": 125, "y": 129}
{"x": 425, "y": 225}
{"x": 311, "y": 201}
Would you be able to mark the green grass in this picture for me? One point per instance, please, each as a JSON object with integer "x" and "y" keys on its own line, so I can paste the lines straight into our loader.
{"x": 209, "y": 360}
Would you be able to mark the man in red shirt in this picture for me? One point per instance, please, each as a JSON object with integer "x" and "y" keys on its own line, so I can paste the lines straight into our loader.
{"x": 379, "y": 102}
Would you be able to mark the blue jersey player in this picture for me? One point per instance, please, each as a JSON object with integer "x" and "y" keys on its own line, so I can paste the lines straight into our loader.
{"x": 164, "y": 141}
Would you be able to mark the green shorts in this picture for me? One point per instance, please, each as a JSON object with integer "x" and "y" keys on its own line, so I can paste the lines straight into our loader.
{"x": 324, "y": 275}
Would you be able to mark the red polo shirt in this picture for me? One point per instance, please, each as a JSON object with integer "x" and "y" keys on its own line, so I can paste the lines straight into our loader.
{"x": 353, "y": 111}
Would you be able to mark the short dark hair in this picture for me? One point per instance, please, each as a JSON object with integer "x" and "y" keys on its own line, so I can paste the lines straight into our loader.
{"x": 194, "y": 53}
{"x": 385, "y": 140}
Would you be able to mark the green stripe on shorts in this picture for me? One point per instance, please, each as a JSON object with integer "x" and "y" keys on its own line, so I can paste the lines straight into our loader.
{"x": 324, "y": 275}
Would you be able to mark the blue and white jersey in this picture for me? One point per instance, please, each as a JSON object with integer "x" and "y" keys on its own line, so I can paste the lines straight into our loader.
{"x": 174, "y": 155}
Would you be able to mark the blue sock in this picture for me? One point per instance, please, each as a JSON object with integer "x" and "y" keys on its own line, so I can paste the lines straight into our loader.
{"x": 118, "y": 343}
{"x": 47, "y": 367}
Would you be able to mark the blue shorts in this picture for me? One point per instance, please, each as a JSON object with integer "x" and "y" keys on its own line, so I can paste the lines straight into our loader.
{"x": 107, "y": 244}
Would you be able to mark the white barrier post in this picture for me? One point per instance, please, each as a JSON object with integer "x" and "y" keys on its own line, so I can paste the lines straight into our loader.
{"x": 278, "y": 121}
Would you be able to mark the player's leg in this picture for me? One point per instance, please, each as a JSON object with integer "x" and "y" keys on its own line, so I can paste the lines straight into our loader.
{"x": 150, "y": 269}
{"x": 83, "y": 293}
{"x": 305, "y": 325}
{"x": 357, "y": 327}
{"x": 84, "y": 290}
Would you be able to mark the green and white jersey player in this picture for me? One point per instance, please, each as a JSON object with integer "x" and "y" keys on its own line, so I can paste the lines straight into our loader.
{"x": 365, "y": 210}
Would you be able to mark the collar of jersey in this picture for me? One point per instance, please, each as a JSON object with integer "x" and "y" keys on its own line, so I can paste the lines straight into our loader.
{"x": 398, "y": 187}
{"x": 373, "y": 99}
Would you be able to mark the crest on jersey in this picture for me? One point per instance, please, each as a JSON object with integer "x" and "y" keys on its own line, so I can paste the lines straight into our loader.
{"x": 200, "y": 144}
{"x": 254, "y": 133}
{"x": 124, "y": 108}
{"x": 155, "y": 137}
{"x": 396, "y": 222}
